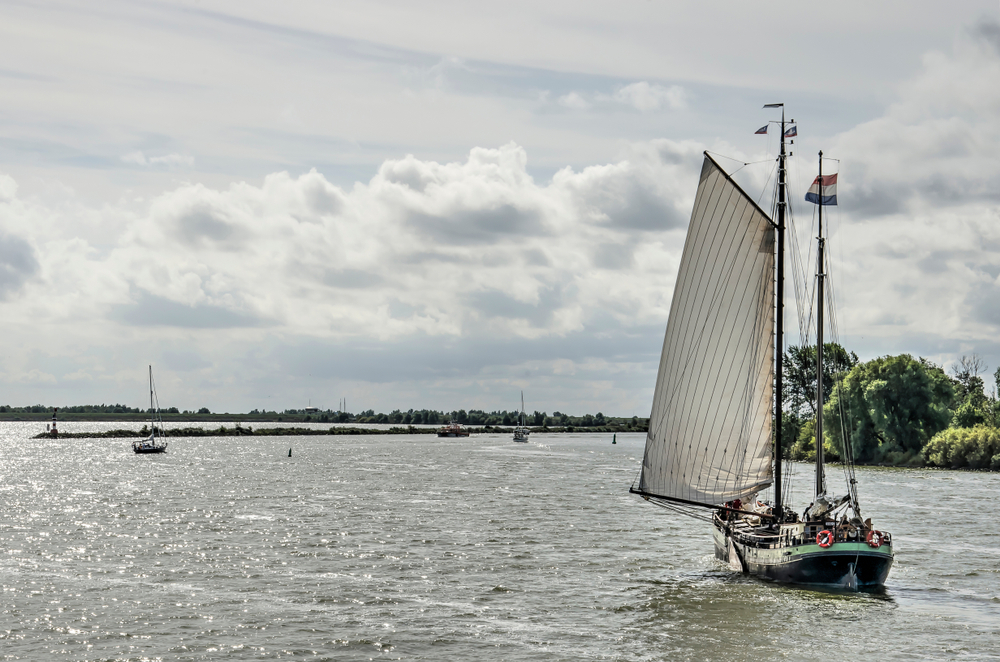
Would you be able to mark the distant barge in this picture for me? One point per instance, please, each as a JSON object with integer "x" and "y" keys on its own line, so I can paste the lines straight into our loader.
{"x": 453, "y": 430}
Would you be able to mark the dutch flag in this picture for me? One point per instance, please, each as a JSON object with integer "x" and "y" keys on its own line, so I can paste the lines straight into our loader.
{"x": 823, "y": 192}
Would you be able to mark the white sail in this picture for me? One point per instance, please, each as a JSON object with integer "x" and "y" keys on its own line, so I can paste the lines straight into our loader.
{"x": 709, "y": 436}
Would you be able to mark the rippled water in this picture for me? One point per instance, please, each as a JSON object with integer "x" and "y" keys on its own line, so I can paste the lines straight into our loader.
{"x": 414, "y": 547}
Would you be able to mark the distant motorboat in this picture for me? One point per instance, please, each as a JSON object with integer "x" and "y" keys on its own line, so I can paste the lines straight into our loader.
{"x": 155, "y": 442}
{"x": 453, "y": 429}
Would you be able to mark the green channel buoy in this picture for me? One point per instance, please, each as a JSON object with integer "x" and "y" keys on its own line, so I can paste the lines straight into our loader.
{"x": 614, "y": 438}
{"x": 289, "y": 452}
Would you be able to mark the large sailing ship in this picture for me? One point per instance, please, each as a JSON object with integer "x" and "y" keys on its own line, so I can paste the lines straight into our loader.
{"x": 714, "y": 443}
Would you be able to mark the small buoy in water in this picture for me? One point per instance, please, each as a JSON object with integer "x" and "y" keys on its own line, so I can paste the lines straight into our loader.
{"x": 289, "y": 452}
{"x": 614, "y": 438}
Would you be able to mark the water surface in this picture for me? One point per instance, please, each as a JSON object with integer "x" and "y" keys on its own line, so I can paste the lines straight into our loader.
{"x": 419, "y": 548}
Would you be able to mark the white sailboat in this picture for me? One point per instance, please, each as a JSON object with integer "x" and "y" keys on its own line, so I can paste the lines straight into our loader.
{"x": 521, "y": 432}
{"x": 156, "y": 441}
{"x": 714, "y": 439}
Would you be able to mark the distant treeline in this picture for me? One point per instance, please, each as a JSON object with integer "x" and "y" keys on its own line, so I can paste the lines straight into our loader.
{"x": 93, "y": 409}
{"x": 240, "y": 431}
{"x": 473, "y": 417}
{"x": 223, "y": 431}
{"x": 493, "y": 418}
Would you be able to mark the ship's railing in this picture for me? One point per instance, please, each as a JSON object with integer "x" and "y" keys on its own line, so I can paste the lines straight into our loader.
{"x": 745, "y": 534}
{"x": 841, "y": 533}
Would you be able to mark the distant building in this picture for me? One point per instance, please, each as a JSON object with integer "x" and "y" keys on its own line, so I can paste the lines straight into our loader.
{"x": 312, "y": 410}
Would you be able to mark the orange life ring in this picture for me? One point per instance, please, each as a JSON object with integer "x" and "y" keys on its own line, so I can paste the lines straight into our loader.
{"x": 874, "y": 538}
{"x": 824, "y": 538}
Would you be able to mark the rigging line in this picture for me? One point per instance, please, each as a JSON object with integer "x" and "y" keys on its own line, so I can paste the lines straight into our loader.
{"x": 696, "y": 514}
{"x": 638, "y": 474}
{"x": 810, "y": 321}
{"x": 847, "y": 434}
{"x": 764, "y": 190}
{"x": 726, "y": 156}
{"x": 798, "y": 273}
{"x": 745, "y": 163}
{"x": 850, "y": 474}
{"x": 788, "y": 476}
{"x": 847, "y": 446}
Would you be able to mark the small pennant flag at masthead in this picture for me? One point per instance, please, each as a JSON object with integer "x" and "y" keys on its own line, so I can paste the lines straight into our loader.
{"x": 791, "y": 132}
{"x": 823, "y": 191}
{"x": 762, "y": 129}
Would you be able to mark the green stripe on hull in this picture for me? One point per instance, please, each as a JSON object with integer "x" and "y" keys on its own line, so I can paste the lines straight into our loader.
{"x": 852, "y": 547}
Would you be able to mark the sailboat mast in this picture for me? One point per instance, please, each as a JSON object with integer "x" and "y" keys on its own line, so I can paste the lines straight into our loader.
{"x": 779, "y": 316}
{"x": 152, "y": 411}
{"x": 820, "y": 276}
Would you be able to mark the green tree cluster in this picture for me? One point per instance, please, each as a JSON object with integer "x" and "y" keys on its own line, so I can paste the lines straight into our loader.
{"x": 886, "y": 410}
{"x": 799, "y": 371}
{"x": 973, "y": 439}
{"x": 896, "y": 410}
{"x": 75, "y": 409}
{"x": 977, "y": 447}
{"x": 799, "y": 395}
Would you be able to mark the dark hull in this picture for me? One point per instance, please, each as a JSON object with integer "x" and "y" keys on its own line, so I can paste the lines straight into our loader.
{"x": 843, "y": 565}
{"x": 143, "y": 448}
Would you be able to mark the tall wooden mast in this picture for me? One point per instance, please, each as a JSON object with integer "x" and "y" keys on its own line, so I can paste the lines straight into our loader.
{"x": 779, "y": 331}
{"x": 820, "y": 277}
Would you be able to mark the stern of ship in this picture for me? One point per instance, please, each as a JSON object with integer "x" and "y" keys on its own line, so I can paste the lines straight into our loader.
{"x": 793, "y": 554}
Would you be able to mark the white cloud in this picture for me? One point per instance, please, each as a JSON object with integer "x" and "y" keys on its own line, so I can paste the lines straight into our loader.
{"x": 468, "y": 269}
{"x": 574, "y": 101}
{"x": 920, "y": 232}
{"x": 168, "y": 160}
{"x": 475, "y": 248}
{"x": 462, "y": 244}
{"x": 645, "y": 97}
{"x": 641, "y": 96}
{"x": 8, "y": 188}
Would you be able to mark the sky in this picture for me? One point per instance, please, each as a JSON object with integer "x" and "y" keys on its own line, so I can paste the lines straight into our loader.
{"x": 443, "y": 204}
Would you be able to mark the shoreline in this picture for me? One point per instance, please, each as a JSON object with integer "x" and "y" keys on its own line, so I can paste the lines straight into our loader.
{"x": 241, "y": 431}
